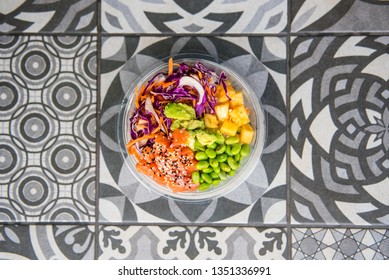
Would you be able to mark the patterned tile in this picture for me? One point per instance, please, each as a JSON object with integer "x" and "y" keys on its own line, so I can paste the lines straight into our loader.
{"x": 259, "y": 200}
{"x": 48, "y": 16}
{"x": 47, "y": 128}
{"x": 201, "y": 16}
{"x": 339, "y": 130}
{"x": 339, "y": 244}
{"x": 340, "y": 15}
{"x": 47, "y": 242}
{"x": 193, "y": 243}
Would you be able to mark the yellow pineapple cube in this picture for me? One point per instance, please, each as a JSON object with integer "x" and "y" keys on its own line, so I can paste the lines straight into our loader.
{"x": 236, "y": 99}
{"x": 229, "y": 128}
{"x": 221, "y": 94}
{"x": 211, "y": 121}
{"x": 246, "y": 134}
{"x": 222, "y": 111}
{"x": 239, "y": 115}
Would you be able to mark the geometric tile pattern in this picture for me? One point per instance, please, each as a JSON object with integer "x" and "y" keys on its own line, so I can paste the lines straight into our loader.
{"x": 340, "y": 16}
{"x": 340, "y": 244}
{"x": 201, "y": 16}
{"x": 49, "y": 242}
{"x": 48, "y": 16}
{"x": 191, "y": 243}
{"x": 339, "y": 129}
{"x": 261, "y": 199}
{"x": 47, "y": 128}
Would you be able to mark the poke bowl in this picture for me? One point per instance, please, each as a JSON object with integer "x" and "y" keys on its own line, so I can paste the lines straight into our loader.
{"x": 191, "y": 129}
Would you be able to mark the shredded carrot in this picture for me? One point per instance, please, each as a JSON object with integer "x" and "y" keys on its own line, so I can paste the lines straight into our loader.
{"x": 170, "y": 66}
{"x": 133, "y": 151}
{"x": 137, "y": 97}
{"x": 200, "y": 75}
{"x": 163, "y": 124}
{"x": 144, "y": 137}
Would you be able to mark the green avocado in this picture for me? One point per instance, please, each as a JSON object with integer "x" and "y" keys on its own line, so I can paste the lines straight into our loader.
{"x": 188, "y": 125}
{"x": 180, "y": 111}
{"x": 205, "y": 138}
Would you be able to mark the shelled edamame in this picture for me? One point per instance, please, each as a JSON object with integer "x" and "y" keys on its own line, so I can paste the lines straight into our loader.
{"x": 217, "y": 162}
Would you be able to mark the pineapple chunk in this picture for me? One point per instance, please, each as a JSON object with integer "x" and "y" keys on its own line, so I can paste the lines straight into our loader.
{"x": 229, "y": 128}
{"x": 222, "y": 111}
{"x": 221, "y": 94}
{"x": 239, "y": 115}
{"x": 211, "y": 121}
{"x": 236, "y": 99}
{"x": 246, "y": 134}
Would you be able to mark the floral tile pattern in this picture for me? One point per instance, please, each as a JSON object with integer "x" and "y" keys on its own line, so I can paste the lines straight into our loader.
{"x": 340, "y": 15}
{"x": 201, "y": 16}
{"x": 47, "y": 242}
{"x": 47, "y": 128}
{"x": 339, "y": 244}
{"x": 339, "y": 130}
{"x": 191, "y": 243}
{"x": 48, "y": 16}
{"x": 259, "y": 200}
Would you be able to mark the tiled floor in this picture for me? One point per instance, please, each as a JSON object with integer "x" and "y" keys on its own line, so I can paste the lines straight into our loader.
{"x": 320, "y": 69}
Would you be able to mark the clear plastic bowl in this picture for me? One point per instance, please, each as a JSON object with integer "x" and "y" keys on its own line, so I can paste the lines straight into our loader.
{"x": 257, "y": 121}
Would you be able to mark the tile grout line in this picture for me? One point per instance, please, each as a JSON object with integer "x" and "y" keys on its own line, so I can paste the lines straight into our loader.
{"x": 288, "y": 162}
{"x": 98, "y": 92}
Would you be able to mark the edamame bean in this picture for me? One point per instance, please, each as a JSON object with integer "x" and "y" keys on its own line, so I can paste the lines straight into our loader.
{"x": 232, "y": 163}
{"x": 206, "y": 178}
{"x": 201, "y": 156}
{"x": 228, "y": 150}
{"x": 204, "y": 186}
{"x": 210, "y": 153}
{"x": 221, "y": 158}
{"x": 216, "y": 169}
{"x": 222, "y": 176}
{"x": 220, "y": 149}
{"x": 235, "y": 149}
{"x": 214, "y": 163}
{"x": 231, "y": 173}
{"x": 216, "y": 182}
{"x": 196, "y": 177}
{"x": 214, "y": 175}
{"x": 225, "y": 167}
{"x": 232, "y": 140}
{"x": 202, "y": 164}
{"x": 245, "y": 150}
{"x": 237, "y": 157}
{"x": 207, "y": 170}
{"x": 212, "y": 146}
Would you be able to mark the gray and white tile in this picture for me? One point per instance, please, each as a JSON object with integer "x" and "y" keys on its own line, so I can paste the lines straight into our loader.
{"x": 191, "y": 243}
{"x": 47, "y": 128}
{"x": 77, "y": 16}
{"x": 340, "y": 244}
{"x": 46, "y": 242}
{"x": 262, "y": 199}
{"x": 202, "y": 16}
{"x": 339, "y": 130}
{"x": 340, "y": 15}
